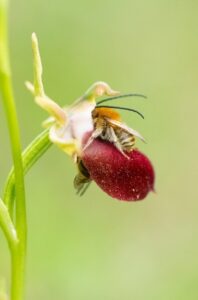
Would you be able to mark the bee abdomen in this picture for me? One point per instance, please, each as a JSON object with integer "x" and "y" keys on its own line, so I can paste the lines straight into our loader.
{"x": 127, "y": 141}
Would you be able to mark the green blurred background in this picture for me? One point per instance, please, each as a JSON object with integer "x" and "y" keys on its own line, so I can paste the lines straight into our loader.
{"x": 96, "y": 247}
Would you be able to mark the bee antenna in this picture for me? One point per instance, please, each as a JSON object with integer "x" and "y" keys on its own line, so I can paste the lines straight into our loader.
{"x": 121, "y": 96}
{"x": 122, "y": 108}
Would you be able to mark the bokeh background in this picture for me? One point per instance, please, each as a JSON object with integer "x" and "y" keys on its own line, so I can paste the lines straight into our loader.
{"x": 96, "y": 247}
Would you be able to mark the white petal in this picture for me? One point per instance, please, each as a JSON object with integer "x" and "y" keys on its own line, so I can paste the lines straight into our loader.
{"x": 62, "y": 137}
{"x": 80, "y": 119}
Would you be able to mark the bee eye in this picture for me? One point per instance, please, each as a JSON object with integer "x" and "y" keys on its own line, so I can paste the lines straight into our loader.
{"x": 94, "y": 114}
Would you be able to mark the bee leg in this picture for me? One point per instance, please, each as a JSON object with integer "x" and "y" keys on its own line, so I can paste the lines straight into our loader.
{"x": 119, "y": 147}
{"x": 81, "y": 183}
{"x": 85, "y": 188}
{"x": 82, "y": 188}
{"x": 79, "y": 189}
{"x": 94, "y": 135}
{"x": 116, "y": 142}
{"x": 78, "y": 184}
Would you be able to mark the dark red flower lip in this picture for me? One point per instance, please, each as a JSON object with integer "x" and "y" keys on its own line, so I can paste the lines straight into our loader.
{"x": 121, "y": 178}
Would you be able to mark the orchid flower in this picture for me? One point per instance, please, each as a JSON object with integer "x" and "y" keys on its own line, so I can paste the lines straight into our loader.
{"x": 125, "y": 177}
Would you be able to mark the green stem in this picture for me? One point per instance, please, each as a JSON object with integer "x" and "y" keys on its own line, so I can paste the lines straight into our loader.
{"x": 17, "y": 272}
{"x": 7, "y": 225}
{"x": 8, "y": 100}
{"x": 30, "y": 156}
{"x": 18, "y": 256}
{"x": 13, "y": 242}
{"x": 18, "y": 253}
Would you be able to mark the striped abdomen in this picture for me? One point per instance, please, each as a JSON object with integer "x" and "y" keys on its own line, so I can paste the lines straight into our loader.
{"x": 126, "y": 140}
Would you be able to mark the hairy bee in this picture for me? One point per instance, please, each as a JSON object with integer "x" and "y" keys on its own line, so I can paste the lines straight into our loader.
{"x": 108, "y": 126}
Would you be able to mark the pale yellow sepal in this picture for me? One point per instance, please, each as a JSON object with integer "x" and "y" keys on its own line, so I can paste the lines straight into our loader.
{"x": 67, "y": 125}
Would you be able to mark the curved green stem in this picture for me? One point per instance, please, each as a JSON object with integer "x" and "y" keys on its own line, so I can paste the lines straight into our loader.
{"x": 11, "y": 114}
{"x": 30, "y": 156}
{"x": 7, "y": 225}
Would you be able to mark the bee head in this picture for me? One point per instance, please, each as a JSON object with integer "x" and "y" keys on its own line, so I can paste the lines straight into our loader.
{"x": 104, "y": 112}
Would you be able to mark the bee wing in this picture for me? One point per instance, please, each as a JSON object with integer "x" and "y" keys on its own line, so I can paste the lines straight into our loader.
{"x": 126, "y": 128}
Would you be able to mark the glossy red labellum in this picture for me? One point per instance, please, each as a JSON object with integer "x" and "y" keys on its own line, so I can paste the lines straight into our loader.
{"x": 121, "y": 178}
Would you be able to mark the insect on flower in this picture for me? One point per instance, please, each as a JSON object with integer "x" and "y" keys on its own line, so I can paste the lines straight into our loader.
{"x": 94, "y": 135}
{"x": 108, "y": 127}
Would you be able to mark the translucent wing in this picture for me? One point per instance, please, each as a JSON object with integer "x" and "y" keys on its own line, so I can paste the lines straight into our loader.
{"x": 126, "y": 128}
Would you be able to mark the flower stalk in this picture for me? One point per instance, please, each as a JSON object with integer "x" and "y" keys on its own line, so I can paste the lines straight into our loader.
{"x": 7, "y": 225}
{"x": 18, "y": 250}
{"x": 13, "y": 222}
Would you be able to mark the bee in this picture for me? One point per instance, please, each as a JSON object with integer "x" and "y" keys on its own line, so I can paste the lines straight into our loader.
{"x": 108, "y": 127}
